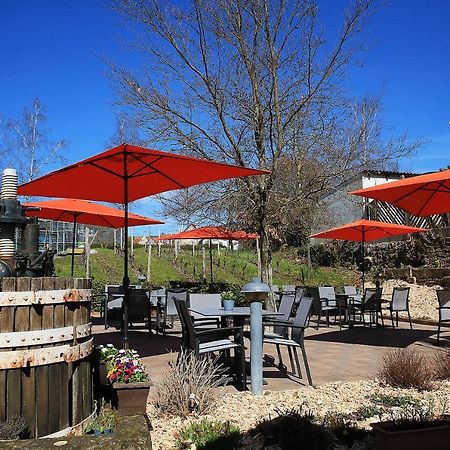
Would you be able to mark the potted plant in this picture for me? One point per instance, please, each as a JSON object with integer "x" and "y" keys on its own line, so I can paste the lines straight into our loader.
{"x": 104, "y": 423}
{"x": 414, "y": 428}
{"x": 228, "y": 300}
{"x": 130, "y": 382}
{"x": 102, "y": 355}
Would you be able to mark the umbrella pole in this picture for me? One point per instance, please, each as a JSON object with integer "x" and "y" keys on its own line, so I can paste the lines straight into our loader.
{"x": 210, "y": 260}
{"x": 74, "y": 231}
{"x": 364, "y": 257}
{"x": 126, "y": 280}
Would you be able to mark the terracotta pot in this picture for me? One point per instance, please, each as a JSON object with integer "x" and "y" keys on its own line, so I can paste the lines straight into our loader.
{"x": 433, "y": 437}
{"x": 130, "y": 399}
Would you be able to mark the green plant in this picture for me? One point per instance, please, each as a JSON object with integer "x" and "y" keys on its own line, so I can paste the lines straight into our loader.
{"x": 406, "y": 368}
{"x": 393, "y": 401}
{"x": 104, "y": 421}
{"x": 227, "y": 295}
{"x": 14, "y": 428}
{"x": 207, "y": 435}
{"x": 344, "y": 429}
{"x": 189, "y": 385}
{"x": 292, "y": 429}
{"x": 365, "y": 412}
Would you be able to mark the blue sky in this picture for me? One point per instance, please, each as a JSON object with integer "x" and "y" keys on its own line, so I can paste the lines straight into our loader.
{"x": 52, "y": 49}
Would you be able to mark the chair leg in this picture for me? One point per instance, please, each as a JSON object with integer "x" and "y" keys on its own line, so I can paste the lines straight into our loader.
{"x": 305, "y": 361}
{"x": 382, "y": 320}
{"x": 327, "y": 314}
{"x": 297, "y": 363}
{"x": 396, "y": 318}
{"x": 409, "y": 317}
{"x": 280, "y": 359}
{"x": 319, "y": 316}
{"x": 291, "y": 359}
{"x": 439, "y": 331}
{"x": 392, "y": 320}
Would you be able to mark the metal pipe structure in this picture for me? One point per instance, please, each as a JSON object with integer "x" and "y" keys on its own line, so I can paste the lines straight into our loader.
{"x": 256, "y": 348}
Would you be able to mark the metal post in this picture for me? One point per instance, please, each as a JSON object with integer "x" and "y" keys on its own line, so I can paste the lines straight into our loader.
{"x": 210, "y": 261}
{"x": 256, "y": 347}
{"x": 363, "y": 257}
{"x": 126, "y": 280}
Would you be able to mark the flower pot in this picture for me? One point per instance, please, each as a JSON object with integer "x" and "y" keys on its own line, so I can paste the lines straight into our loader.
{"x": 432, "y": 436}
{"x": 228, "y": 305}
{"x": 131, "y": 398}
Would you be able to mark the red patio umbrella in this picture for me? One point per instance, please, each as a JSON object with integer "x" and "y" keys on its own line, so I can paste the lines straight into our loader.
{"x": 423, "y": 195}
{"x": 364, "y": 231}
{"x": 126, "y": 173}
{"x": 210, "y": 233}
{"x": 82, "y": 211}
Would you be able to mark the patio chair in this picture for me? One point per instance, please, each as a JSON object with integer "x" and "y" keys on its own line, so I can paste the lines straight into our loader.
{"x": 299, "y": 292}
{"x": 139, "y": 308}
{"x": 296, "y": 341}
{"x": 444, "y": 309}
{"x": 371, "y": 304}
{"x": 328, "y": 304}
{"x": 399, "y": 302}
{"x": 113, "y": 301}
{"x": 200, "y": 301}
{"x": 167, "y": 309}
{"x": 288, "y": 289}
{"x": 223, "y": 340}
{"x": 352, "y": 294}
{"x": 286, "y": 305}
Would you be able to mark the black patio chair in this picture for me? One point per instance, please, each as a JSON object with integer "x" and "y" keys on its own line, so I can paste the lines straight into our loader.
{"x": 218, "y": 340}
{"x": 139, "y": 308}
{"x": 443, "y": 296}
{"x": 371, "y": 305}
{"x": 297, "y": 339}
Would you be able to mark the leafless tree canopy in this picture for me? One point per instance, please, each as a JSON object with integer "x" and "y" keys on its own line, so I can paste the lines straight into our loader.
{"x": 256, "y": 83}
{"x": 26, "y": 143}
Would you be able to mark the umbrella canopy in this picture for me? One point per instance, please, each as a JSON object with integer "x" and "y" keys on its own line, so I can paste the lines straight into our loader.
{"x": 126, "y": 173}
{"x": 88, "y": 213}
{"x": 210, "y": 233}
{"x": 364, "y": 231}
{"x": 81, "y": 211}
{"x": 423, "y": 195}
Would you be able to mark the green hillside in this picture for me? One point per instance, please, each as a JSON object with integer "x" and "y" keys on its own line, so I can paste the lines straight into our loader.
{"x": 235, "y": 267}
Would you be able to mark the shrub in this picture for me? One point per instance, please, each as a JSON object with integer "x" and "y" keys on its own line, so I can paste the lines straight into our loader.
{"x": 206, "y": 435}
{"x": 394, "y": 401}
{"x": 189, "y": 385}
{"x": 293, "y": 429}
{"x": 405, "y": 368}
{"x": 365, "y": 412}
{"x": 13, "y": 428}
{"x": 344, "y": 429}
{"x": 442, "y": 365}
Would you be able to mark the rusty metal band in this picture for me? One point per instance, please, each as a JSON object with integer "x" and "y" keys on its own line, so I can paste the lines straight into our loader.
{"x": 58, "y": 296}
{"x": 43, "y": 356}
{"x": 43, "y": 337}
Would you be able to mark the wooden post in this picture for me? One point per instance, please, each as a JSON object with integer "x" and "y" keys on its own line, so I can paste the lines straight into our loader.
{"x": 87, "y": 251}
{"x": 132, "y": 241}
{"x": 115, "y": 240}
{"x": 203, "y": 262}
{"x": 258, "y": 255}
{"x": 149, "y": 261}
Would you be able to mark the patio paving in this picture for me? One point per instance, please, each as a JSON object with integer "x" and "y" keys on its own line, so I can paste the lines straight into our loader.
{"x": 333, "y": 354}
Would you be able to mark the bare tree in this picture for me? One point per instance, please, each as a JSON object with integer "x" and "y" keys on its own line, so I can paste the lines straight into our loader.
{"x": 256, "y": 83}
{"x": 28, "y": 144}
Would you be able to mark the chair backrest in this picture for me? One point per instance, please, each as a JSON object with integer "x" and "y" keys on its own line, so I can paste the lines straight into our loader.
{"x": 301, "y": 318}
{"x": 188, "y": 332}
{"x": 350, "y": 290}
{"x": 158, "y": 293}
{"x": 275, "y": 288}
{"x": 288, "y": 288}
{"x": 328, "y": 293}
{"x": 172, "y": 295}
{"x": 204, "y": 301}
{"x": 286, "y": 304}
{"x": 372, "y": 299}
{"x": 299, "y": 291}
{"x": 400, "y": 297}
{"x": 443, "y": 296}
{"x": 138, "y": 305}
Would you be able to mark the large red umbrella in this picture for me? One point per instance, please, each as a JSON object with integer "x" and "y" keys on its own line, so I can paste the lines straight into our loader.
{"x": 210, "y": 233}
{"x": 126, "y": 173}
{"x": 423, "y": 195}
{"x": 81, "y": 211}
{"x": 364, "y": 231}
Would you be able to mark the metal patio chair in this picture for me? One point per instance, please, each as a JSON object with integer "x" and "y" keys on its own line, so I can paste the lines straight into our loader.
{"x": 139, "y": 310}
{"x": 399, "y": 303}
{"x": 328, "y": 304}
{"x": 371, "y": 305}
{"x": 223, "y": 340}
{"x": 296, "y": 341}
{"x": 167, "y": 309}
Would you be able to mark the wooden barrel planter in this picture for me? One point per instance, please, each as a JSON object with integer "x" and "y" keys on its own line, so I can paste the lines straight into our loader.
{"x": 45, "y": 352}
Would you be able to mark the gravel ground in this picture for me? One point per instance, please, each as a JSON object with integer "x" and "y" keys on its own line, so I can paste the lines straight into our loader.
{"x": 246, "y": 410}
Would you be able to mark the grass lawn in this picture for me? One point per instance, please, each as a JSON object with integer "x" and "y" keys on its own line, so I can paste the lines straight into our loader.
{"x": 235, "y": 267}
